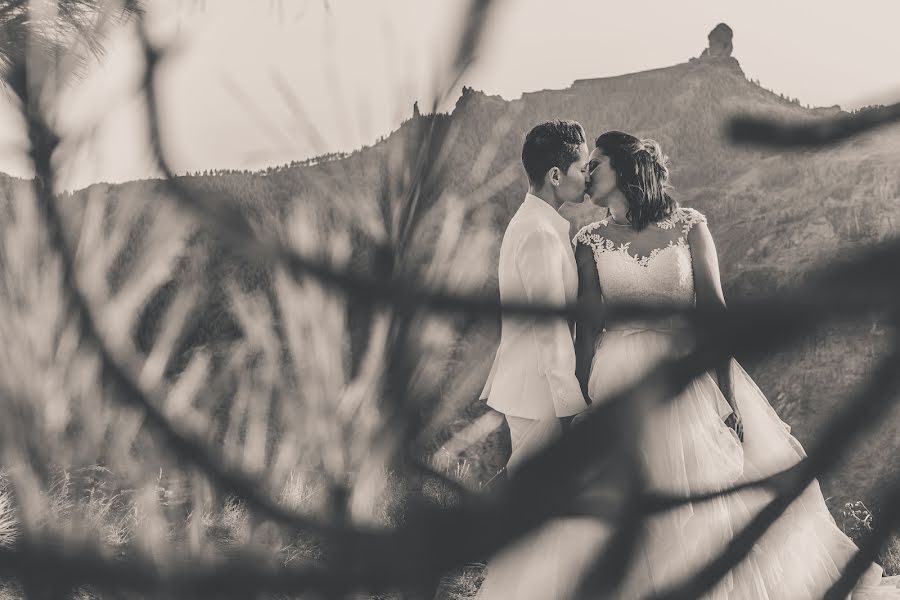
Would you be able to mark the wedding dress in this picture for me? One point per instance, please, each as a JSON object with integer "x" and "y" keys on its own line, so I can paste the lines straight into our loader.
{"x": 686, "y": 448}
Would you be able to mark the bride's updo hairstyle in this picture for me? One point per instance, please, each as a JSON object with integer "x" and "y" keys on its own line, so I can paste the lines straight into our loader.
{"x": 642, "y": 175}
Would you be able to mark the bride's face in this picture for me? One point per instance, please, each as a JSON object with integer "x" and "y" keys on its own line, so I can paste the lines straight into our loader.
{"x": 600, "y": 182}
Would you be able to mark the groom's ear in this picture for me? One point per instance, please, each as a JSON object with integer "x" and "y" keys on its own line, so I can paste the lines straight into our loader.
{"x": 554, "y": 175}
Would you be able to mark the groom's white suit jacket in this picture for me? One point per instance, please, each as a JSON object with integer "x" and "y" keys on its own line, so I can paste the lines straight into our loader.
{"x": 533, "y": 375}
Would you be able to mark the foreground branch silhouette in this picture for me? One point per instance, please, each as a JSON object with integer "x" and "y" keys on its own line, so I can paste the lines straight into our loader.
{"x": 408, "y": 557}
{"x": 821, "y": 133}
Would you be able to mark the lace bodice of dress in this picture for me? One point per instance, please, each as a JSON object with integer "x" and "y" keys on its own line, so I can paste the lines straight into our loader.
{"x": 649, "y": 267}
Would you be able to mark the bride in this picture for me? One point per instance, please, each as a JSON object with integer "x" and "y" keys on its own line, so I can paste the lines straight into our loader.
{"x": 720, "y": 430}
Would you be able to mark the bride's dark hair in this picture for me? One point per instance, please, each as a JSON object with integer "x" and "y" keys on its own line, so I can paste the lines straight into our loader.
{"x": 642, "y": 174}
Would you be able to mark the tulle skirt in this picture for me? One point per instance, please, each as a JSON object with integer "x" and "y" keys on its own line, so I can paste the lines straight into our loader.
{"x": 686, "y": 448}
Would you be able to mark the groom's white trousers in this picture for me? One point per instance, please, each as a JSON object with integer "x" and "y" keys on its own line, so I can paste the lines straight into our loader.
{"x": 540, "y": 566}
{"x": 528, "y": 436}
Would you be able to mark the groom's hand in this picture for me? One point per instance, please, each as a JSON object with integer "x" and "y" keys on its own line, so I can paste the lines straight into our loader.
{"x": 569, "y": 422}
{"x": 580, "y": 417}
{"x": 566, "y": 422}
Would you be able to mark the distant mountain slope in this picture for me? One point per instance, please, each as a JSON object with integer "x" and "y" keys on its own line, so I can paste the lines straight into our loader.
{"x": 773, "y": 214}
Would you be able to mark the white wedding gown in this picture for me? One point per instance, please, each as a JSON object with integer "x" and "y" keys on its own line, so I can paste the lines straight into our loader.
{"x": 685, "y": 448}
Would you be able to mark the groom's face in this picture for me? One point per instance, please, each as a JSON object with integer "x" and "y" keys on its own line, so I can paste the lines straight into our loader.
{"x": 571, "y": 183}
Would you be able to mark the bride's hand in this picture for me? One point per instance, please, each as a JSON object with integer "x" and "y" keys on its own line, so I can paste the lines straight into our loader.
{"x": 735, "y": 422}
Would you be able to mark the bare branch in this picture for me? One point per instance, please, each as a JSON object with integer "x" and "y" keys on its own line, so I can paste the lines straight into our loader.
{"x": 821, "y": 133}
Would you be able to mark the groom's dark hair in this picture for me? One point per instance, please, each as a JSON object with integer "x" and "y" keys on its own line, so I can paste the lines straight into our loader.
{"x": 551, "y": 144}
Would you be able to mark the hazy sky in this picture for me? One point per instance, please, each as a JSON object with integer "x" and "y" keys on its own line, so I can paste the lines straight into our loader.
{"x": 249, "y": 75}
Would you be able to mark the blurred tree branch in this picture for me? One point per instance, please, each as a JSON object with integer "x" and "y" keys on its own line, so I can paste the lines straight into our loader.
{"x": 43, "y": 143}
{"x": 51, "y": 27}
{"x": 821, "y": 133}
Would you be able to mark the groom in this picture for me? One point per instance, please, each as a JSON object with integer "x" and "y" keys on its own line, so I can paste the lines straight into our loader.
{"x": 532, "y": 381}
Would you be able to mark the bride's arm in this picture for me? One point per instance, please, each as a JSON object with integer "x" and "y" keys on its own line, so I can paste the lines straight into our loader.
{"x": 586, "y": 332}
{"x": 708, "y": 288}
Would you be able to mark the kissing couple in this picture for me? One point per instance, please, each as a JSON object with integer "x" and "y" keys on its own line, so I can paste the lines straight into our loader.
{"x": 720, "y": 431}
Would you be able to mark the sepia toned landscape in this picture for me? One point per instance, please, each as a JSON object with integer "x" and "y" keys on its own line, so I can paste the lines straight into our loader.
{"x": 192, "y": 365}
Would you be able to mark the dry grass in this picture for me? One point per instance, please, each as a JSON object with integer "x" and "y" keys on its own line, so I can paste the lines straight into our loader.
{"x": 91, "y": 500}
{"x": 858, "y": 522}
{"x": 890, "y": 556}
{"x": 9, "y": 523}
{"x": 461, "y": 584}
